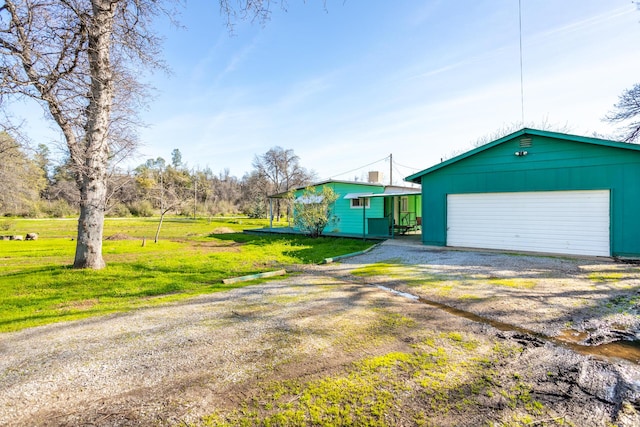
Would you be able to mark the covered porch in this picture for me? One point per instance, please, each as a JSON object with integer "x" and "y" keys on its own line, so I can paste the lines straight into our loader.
{"x": 401, "y": 216}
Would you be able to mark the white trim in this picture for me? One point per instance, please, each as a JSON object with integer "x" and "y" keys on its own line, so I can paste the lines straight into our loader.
{"x": 351, "y": 196}
{"x": 367, "y": 203}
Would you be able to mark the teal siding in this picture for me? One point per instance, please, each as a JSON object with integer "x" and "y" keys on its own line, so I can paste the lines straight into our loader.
{"x": 552, "y": 164}
{"x": 350, "y": 219}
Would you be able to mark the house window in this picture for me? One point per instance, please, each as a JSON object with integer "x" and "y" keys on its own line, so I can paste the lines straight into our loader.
{"x": 358, "y": 203}
{"x": 404, "y": 204}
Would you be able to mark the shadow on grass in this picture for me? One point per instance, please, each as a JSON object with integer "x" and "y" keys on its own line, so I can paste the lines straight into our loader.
{"x": 305, "y": 249}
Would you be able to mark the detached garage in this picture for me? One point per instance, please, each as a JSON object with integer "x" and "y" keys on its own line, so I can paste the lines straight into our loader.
{"x": 536, "y": 191}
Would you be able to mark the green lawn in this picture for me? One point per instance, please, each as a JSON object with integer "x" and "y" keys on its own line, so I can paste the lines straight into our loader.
{"x": 38, "y": 285}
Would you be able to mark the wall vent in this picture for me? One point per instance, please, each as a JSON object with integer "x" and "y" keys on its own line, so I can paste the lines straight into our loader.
{"x": 525, "y": 142}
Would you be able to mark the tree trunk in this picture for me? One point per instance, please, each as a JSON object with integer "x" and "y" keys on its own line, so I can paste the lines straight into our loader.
{"x": 92, "y": 175}
{"x": 155, "y": 240}
{"x": 91, "y": 226}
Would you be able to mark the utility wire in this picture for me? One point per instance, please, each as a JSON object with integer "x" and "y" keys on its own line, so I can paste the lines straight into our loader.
{"x": 408, "y": 167}
{"x": 395, "y": 168}
{"x": 403, "y": 176}
{"x": 361, "y": 167}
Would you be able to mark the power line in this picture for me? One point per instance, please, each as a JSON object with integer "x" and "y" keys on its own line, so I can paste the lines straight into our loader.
{"x": 403, "y": 176}
{"x": 394, "y": 165}
{"x": 408, "y": 167}
{"x": 361, "y": 167}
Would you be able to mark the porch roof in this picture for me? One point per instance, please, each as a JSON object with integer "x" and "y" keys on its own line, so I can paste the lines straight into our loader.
{"x": 391, "y": 192}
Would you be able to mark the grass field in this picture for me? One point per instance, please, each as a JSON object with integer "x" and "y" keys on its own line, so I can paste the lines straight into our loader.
{"x": 38, "y": 285}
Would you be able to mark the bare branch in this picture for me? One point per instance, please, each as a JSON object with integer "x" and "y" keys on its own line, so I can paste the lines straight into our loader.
{"x": 627, "y": 112}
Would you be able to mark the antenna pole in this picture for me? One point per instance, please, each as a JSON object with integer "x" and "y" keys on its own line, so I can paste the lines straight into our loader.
{"x": 521, "y": 77}
{"x": 391, "y": 169}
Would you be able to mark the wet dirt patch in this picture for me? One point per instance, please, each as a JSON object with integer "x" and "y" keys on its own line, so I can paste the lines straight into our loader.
{"x": 218, "y": 245}
{"x": 119, "y": 236}
{"x": 223, "y": 230}
{"x": 87, "y": 304}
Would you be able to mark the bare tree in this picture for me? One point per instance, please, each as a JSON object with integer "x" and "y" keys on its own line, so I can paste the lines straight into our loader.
{"x": 627, "y": 111}
{"x": 167, "y": 187}
{"x": 282, "y": 169}
{"x": 80, "y": 60}
{"x": 69, "y": 56}
{"x": 255, "y": 190}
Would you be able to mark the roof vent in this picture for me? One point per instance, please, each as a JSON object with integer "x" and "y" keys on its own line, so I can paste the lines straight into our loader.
{"x": 525, "y": 142}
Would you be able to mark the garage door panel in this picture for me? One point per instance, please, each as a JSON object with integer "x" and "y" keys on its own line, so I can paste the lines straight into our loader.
{"x": 571, "y": 222}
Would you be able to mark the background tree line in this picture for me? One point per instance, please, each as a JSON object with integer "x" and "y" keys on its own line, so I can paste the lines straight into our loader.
{"x": 33, "y": 185}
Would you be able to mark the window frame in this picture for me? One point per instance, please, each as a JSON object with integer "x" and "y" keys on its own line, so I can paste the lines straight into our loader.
{"x": 404, "y": 204}
{"x": 366, "y": 205}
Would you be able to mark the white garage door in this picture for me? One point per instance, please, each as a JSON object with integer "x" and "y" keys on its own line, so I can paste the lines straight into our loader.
{"x": 566, "y": 222}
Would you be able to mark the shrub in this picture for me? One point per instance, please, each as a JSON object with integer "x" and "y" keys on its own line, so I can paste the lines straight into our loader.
{"x": 58, "y": 208}
{"x": 119, "y": 210}
{"x": 143, "y": 208}
{"x": 312, "y": 210}
{"x": 7, "y": 224}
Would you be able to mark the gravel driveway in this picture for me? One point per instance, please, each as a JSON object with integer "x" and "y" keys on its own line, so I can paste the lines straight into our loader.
{"x": 595, "y": 299}
{"x": 179, "y": 362}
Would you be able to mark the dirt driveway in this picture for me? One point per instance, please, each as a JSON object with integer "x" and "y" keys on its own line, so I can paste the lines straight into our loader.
{"x": 328, "y": 344}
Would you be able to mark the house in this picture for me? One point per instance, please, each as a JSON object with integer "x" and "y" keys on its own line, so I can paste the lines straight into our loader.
{"x": 537, "y": 191}
{"x": 369, "y": 209}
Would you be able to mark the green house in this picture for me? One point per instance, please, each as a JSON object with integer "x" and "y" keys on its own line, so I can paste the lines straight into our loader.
{"x": 536, "y": 191}
{"x": 370, "y": 209}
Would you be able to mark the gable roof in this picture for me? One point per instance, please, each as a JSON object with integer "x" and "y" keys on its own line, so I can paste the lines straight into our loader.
{"x": 522, "y": 132}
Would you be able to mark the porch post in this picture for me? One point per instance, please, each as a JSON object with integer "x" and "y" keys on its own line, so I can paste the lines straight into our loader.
{"x": 270, "y": 212}
{"x": 393, "y": 216}
{"x": 364, "y": 208}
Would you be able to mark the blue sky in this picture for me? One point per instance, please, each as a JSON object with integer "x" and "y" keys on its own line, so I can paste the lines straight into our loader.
{"x": 346, "y": 84}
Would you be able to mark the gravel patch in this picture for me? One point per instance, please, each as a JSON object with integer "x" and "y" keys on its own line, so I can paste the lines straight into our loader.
{"x": 598, "y": 298}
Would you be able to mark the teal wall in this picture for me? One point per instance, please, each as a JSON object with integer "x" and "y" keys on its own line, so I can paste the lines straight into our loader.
{"x": 551, "y": 164}
{"x": 350, "y": 219}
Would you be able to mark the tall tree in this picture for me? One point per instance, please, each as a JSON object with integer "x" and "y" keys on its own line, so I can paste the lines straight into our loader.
{"x": 627, "y": 112}
{"x": 80, "y": 60}
{"x": 255, "y": 190}
{"x": 43, "y": 160}
{"x": 176, "y": 158}
{"x": 75, "y": 58}
{"x": 21, "y": 180}
{"x": 281, "y": 168}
